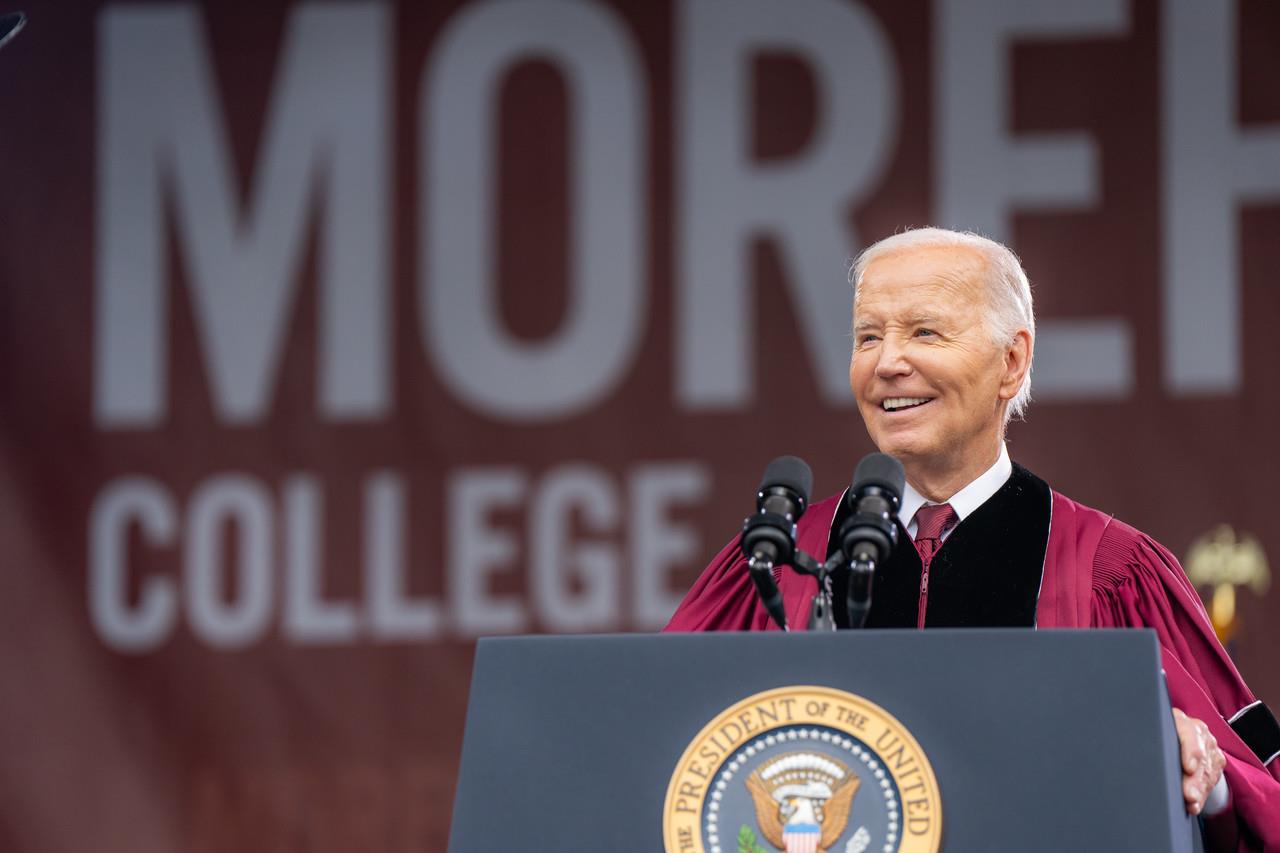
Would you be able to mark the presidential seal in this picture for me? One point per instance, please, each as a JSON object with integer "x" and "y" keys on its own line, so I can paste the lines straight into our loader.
{"x": 803, "y": 770}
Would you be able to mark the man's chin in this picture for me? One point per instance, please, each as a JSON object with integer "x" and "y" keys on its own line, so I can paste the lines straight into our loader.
{"x": 906, "y": 453}
{"x": 904, "y": 444}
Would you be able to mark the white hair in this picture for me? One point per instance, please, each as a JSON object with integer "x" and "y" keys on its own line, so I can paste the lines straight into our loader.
{"x": 1008, "y": 291}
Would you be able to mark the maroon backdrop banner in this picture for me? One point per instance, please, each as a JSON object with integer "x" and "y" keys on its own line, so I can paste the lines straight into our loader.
{"x": 336, "y": 335}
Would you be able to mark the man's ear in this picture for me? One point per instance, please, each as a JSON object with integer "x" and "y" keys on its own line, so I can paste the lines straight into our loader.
{"x": 1017, "y": 361}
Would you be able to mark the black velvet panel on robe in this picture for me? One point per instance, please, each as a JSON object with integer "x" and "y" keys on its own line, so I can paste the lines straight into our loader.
{"x": 986, "y": 574}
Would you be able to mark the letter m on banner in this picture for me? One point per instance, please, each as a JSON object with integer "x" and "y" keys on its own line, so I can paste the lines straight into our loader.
{"x": 162, "y": 147}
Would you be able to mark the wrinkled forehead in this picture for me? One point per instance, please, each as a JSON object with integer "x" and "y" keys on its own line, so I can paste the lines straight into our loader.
{"x": 938, "y": 278}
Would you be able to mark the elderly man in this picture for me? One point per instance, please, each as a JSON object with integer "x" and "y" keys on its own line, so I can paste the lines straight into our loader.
{"x": 943, "y": 340}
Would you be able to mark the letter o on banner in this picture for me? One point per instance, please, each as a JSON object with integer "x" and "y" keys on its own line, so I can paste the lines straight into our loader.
{"x": 237, "y": 499}
{"x": 477, "y": 359}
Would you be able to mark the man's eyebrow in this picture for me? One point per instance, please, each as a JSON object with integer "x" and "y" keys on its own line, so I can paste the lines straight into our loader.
{"x": 913, "y": 320}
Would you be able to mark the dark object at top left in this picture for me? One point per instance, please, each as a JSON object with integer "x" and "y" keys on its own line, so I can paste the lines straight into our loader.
{"x": 10, "y": 24}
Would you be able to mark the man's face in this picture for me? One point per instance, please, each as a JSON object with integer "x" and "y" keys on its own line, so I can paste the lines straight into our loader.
{"x": 930, "y": 384}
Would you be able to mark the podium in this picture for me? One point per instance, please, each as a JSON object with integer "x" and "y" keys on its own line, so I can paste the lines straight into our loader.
{"x": 974, "y": 740}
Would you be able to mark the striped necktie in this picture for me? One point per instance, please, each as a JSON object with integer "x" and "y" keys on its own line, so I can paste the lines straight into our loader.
{"x": 931, "y": 522}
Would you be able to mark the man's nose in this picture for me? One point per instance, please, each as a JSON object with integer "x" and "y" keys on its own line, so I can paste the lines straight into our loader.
{"x": 892, "y": 360}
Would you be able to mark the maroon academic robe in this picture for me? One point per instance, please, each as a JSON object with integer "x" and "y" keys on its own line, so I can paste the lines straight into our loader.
{"x": 1097, "y": 572}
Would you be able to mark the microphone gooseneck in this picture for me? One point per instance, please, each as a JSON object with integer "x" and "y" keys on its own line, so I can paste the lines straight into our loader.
{"x": 769, "y": 536}
{"x": 869, "y": 534}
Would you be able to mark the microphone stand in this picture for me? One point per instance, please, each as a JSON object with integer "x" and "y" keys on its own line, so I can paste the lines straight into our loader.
{"x": 821, "y": 615}
{"x": 862, "y": 570}
{"x": 867, "y": 535}
{"x": 858, "y": 602}
{"x": 863, "y": 537}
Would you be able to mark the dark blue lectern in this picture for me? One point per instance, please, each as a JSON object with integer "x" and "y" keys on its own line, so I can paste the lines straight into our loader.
{"x": 1001, "y": 740}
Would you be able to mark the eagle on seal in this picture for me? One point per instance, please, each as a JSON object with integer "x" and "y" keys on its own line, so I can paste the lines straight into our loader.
{"x": 802, "y": 801}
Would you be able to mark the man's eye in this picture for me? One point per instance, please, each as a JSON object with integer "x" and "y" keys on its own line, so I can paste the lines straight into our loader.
{"x": 921, "y": 333}
{"x": 863, "y": 340}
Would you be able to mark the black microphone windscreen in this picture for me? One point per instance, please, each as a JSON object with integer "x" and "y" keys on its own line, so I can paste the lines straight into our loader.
{"x": 879, "y": 469}
{"x": 791, "y": 472}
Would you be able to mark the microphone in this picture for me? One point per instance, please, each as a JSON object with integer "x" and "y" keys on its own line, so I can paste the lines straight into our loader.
{"x": 769, "y": 536}
{"x": 10, "y": 24}
{"x": 869, "y": 534}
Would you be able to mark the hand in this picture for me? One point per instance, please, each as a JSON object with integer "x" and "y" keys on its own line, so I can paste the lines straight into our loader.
{"x": 1202, "y": 761}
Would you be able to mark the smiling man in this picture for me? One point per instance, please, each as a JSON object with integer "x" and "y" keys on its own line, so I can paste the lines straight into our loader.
{"x": 936, "y": 372}
{"x": 944, "y": 336}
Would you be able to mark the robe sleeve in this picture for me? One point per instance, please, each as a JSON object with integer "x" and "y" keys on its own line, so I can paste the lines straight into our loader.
{"x": 1137, "y": 583}
{"x": 723, "y": 598}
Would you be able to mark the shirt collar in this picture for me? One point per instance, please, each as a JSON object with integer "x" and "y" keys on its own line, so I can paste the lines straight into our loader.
{"x": 965, "y": 501}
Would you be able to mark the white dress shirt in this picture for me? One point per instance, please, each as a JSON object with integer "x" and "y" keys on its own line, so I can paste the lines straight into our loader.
{"x": 965, "y": 501}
